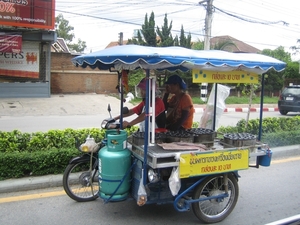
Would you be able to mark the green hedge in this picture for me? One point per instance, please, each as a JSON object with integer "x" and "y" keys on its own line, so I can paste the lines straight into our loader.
{"x": 22, "y": 164}
{"x": 16, "y": 141}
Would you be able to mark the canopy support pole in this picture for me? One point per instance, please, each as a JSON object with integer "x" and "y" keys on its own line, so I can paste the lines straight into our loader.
{"x": 153, "y": 123}
{"x": 121, "y": 98}
{"x": 261, "y": 106}
{"x": 215, "y": 107}
{"x": 146, "y": 140}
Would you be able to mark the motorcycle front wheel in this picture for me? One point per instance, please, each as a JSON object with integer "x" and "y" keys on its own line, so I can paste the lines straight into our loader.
{"x": 80, "y": 183}
{"x": 216, "y": 209}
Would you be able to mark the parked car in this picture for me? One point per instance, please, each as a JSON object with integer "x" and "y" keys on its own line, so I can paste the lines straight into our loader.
{"x": 289, "y": 100}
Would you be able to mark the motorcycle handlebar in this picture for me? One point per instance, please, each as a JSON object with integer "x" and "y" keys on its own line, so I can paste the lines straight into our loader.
{"x": 110, "y": 123}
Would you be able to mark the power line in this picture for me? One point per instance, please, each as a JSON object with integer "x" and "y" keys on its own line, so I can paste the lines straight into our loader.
{"x": 251, "y": 20}
{"x": 97, "y": 17}
{"x": 126, "y": 21}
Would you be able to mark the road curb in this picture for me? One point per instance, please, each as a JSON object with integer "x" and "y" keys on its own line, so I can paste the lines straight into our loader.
{"x": 285, "y": 151}
{"x": 30, "y": 183}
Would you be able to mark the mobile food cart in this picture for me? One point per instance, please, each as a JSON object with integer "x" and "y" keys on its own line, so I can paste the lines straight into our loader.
{"x": 190, "y": 169}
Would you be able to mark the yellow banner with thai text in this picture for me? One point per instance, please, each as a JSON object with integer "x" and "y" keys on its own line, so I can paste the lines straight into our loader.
{"x": 235, "y": 76}
{"x": 195, "y": 164}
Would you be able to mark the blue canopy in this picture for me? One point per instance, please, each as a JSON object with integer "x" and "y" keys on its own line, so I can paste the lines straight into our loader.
{"x": 130, "y": 57}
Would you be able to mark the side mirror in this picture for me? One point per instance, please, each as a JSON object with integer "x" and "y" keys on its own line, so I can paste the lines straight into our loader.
{"x": 109, "y": 109}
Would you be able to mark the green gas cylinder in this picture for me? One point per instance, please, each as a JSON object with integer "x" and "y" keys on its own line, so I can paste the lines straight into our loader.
{"x": 114, "y": 164}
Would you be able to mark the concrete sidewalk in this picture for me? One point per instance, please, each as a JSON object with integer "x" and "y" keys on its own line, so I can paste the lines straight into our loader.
{"x": 61, "y": 105}
{"x": 88, "y": 104}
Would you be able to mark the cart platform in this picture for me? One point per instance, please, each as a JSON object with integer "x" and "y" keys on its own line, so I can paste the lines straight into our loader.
{"x": 157, "y": 157}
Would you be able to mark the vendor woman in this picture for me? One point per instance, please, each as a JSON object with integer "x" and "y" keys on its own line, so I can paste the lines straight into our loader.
{"x": 179, "y": 107}
{"x": 139, "y": 110}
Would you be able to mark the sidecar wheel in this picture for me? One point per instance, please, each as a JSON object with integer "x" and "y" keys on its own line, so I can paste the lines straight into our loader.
{"x": 215, "y": 210}
{"x": 79, "y": 183}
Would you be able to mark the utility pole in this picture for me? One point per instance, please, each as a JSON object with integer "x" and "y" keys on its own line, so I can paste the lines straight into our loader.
{"x": 120, "y": 38}
{"x": 208, "y": 22}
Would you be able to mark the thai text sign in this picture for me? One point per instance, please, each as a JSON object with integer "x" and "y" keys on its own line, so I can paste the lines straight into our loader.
{"x": 235, "y": 76}
{"x": 28, "y": 13}
{"x": 23, "y": 64}
{"x": 213, "y": 162}
{"x": 10, "y": 42}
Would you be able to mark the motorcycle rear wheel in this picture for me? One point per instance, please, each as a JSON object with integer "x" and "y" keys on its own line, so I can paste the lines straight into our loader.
{"x": 215, "y": 210}
{"x": 79, "y": 183}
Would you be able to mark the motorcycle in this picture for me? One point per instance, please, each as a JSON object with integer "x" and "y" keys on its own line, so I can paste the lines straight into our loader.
{"x": 81, "y": 177}
{"x": 211, "y": 196}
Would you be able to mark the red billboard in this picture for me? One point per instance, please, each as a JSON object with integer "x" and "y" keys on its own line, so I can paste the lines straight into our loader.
{"x": 28, "y": 13}
{"x": 10, "y": 42}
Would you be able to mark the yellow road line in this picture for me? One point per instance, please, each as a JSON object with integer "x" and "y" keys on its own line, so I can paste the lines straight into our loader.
{"x": 32, "y": 196}
{"x": 290, "y": 159}
{"x": 35, "y": 196}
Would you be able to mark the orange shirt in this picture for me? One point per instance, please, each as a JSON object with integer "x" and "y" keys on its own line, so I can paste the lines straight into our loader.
{"x": 175, "y": 109}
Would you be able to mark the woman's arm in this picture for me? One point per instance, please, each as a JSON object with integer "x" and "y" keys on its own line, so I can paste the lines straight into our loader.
{"x": 137, "y": 120}
{"x": 135, "y": 110}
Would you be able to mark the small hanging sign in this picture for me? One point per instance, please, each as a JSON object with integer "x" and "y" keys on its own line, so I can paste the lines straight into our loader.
{"x": 234, "y": 76}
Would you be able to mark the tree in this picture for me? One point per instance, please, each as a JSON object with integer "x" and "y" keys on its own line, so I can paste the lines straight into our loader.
{"x": 148, "y": 31}
{"x": 165, "y": 35}
{"x": 198, "y": 45}
{"x": 176, "y": 41}
{"x": 279, "y": 53}
{"x": 147, "y": 35}
{"x": 79, "y": 47}
{"x": 291, "y": 74}
{"x": 275, "y": 80}
{"x": 65, "y": 31}
{"x": 185, "y": 41}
